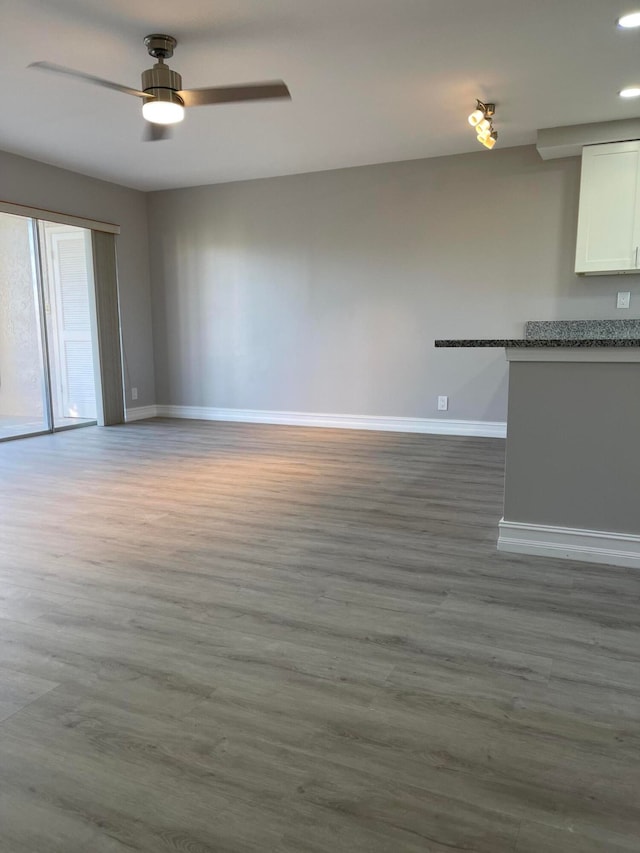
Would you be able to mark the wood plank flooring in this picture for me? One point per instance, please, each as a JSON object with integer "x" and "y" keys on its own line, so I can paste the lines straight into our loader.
{"x": 220, "y": 638}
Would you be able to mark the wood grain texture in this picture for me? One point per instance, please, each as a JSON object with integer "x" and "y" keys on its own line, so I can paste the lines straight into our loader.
{"x": 224, "y": 638}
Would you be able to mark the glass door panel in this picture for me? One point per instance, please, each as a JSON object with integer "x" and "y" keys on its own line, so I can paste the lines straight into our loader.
{"x": 66, "y": 258}
{"x": 23, "y": 399}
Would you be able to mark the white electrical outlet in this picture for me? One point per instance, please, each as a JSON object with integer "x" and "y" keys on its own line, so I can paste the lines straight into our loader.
{"x": 134, "y": 393}
{"x": 443, "y": 403}
{"x": 624, "y": 299}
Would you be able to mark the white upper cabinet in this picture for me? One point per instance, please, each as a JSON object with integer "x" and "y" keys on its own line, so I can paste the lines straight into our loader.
{"x": 609, "y": 218}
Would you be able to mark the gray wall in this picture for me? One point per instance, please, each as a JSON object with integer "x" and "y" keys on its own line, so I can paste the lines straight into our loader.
{"x": 28, "y": 182}
{"x": 572, "y": 458}
{"x": 324, "y": 292}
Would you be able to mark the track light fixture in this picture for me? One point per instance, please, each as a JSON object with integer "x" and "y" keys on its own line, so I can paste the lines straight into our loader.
{"x": 482, "y": 119}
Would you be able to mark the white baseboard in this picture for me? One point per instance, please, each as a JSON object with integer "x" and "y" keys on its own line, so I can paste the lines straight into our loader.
{"x": 435, "y": 426}
{"x": 140, "y": 413}
{"x": 591, "y": 546}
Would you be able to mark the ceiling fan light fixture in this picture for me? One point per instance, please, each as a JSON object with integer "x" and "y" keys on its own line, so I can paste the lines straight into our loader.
{"x": 630, "y": 92}
{"x": 166, "y": 107}
{"x": 163, "y": 98}
{"x": 628, "y": 22}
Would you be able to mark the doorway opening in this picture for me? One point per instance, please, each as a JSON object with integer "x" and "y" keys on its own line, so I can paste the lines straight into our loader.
{"x": 47, "y": 327}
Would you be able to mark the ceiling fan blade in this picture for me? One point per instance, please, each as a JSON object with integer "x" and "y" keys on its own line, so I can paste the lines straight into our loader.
{"x": 232, "y": 94}
{"x": 156, "y": 132}
{"x": 88, "y": 78}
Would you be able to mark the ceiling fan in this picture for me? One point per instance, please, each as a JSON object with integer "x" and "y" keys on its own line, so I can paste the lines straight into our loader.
{"x": 163, "y": 97}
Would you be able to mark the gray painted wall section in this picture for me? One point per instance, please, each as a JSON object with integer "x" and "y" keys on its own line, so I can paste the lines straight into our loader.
{"x": 24, "y": 181}
{"x": 324, "y": 292}
{"x": 108, "y": 328}
{"x": 572, "y": 457}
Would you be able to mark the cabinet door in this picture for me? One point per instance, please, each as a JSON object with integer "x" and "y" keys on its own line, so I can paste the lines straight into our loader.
{"x": 609, "y": 219}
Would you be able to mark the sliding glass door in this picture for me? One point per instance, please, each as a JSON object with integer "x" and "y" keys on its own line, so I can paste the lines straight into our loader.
{"x": 65, "y": 252}
{"x": 47, "y": 323}
{"x": 23, "y": 397}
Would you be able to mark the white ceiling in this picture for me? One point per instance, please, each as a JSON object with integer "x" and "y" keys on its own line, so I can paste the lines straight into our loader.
{"x": 371, "y": 80}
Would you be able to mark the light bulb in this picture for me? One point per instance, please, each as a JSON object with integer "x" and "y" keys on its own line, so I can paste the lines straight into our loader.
{"x": 490, "y": 141}
{"x": 629, "y": 21}
{"x": 630, "y": 92}
{"x": 162, "y": 112}
{"x": 484, "y": 134}
{"x": 476, "y": 116}
{"x": 483, "y": 126}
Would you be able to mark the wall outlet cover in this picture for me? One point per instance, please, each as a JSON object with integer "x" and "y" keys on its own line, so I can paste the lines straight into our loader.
{"x": 624, "y": 299}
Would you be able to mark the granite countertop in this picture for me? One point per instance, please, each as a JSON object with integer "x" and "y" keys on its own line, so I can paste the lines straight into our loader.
{"x": 563, "y": 333}
{"x": 542, "y": 342}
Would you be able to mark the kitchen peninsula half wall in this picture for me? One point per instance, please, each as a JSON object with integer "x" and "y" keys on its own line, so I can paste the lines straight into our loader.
{"x": 572, "y": 463}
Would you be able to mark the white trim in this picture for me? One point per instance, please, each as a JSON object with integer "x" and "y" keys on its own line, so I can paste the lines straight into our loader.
{"x": 591, "y": 546}
{"x": 485, "y": 429}
{"x": 583, "y": 354}
{"x": 56, "y": 216}
{"x": 140, "y": 413}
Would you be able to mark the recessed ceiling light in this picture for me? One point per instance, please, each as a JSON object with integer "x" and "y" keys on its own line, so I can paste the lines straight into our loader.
{"x": 629, "y": 21}
{"x": 630, "y": 92}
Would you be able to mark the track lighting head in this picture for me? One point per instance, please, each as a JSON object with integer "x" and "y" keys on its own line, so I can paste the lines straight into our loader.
{"x": 490, "y": 140}
{"x": 482, "y": 111}
{"x": 476, "y": 116}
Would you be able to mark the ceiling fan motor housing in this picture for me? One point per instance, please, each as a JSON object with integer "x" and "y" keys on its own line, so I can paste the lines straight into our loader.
{"x": 162, "y": 82}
